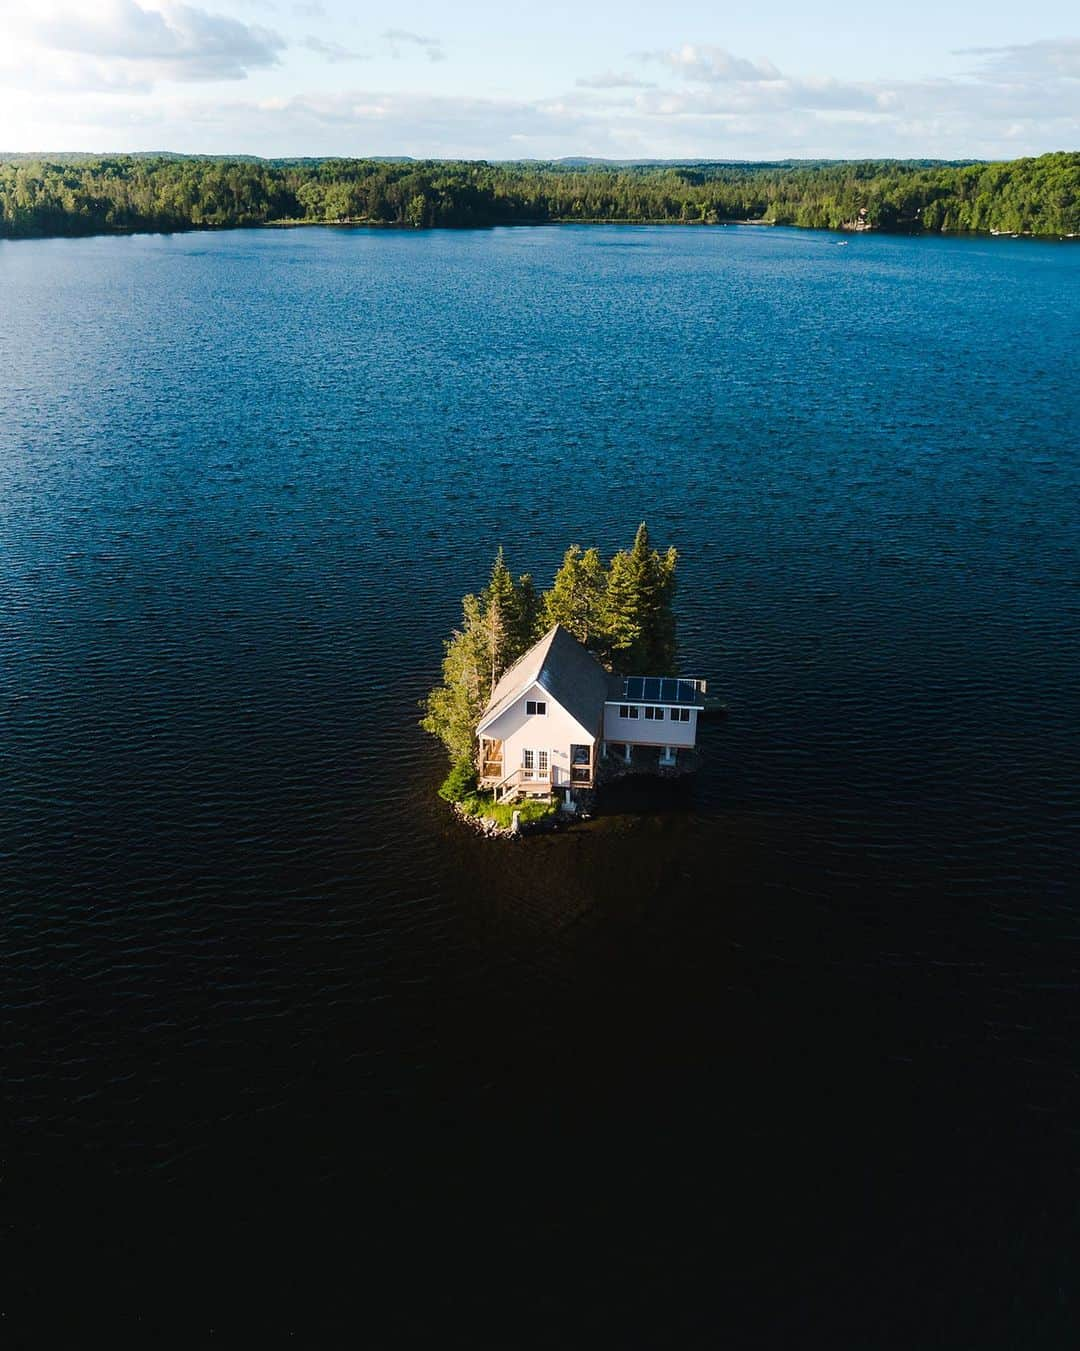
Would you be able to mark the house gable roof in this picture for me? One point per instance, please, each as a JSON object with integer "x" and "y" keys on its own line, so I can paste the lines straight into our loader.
{"x": 564, "y": 668}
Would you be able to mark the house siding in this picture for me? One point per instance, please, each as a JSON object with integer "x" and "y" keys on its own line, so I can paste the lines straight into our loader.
{"x": 555, "y": 732}
{"x": 642, "y": 731}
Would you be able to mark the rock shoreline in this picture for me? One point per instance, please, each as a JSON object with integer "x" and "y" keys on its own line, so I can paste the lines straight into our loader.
{"x": 490, "y": 829}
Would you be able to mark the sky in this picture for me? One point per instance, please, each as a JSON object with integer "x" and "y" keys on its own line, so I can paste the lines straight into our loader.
{"x": 480, "y": 79}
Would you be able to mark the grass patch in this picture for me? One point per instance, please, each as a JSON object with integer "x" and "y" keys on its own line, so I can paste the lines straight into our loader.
{"x": 502, "y": 813}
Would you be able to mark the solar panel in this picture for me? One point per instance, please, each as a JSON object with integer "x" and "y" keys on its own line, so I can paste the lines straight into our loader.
{"x": 660, "y": 690}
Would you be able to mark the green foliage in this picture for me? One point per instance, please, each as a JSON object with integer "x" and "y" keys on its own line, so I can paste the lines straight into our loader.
{"x": 637, "y": 618}
{"x": 576, "y": 597}
{"x": 460, "y": 782}
{"x": 79, "y": 194}
{"x": 453, "y": 708}
{"x": 496, "y": 628}
{"x": 484, "y": 806}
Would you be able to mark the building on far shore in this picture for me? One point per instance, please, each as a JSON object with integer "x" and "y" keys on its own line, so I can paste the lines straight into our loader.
{"x": 556, "y": 714}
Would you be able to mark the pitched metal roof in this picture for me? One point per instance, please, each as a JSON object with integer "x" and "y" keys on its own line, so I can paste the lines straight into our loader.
{"x": 562, "y": 666}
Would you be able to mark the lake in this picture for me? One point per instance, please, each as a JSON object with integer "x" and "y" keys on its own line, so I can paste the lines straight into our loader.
{"x": 789, "y": 1043}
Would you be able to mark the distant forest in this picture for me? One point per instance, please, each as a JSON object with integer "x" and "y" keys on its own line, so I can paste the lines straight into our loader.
{"x": 78, "y": 194}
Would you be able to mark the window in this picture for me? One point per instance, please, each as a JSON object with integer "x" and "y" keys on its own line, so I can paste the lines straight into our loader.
{"x": 542, "y": 761}
{"x": 680, "y": 715}
{"x": 627, "y": 711}
{"x": 654, "y": 714}
{"x": 528, "y": 760}
{"x": 534, "y": 707}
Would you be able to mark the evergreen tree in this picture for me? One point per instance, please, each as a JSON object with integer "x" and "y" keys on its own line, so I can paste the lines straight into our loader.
{"x": 576, "y": 597}
{"x": 620, "y": 618}
{"x": 501, "y": 618}
{"x": 526, "y": 614}
{"x": 453, "y": 708}
{"x": 497, "y": 626}
{"x": 638, "y": 618}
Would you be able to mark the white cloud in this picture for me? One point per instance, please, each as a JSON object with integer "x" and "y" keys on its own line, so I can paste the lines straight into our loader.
{"x": 140, "y": 42}
{"x": 614, "y": 80}
{"x": 1057, "y": 59}
{"x": 401, "y": 37}
{"x": 97, "y": 87}
{"x": 713, "y": 65}
{"x": 334, "y": 52}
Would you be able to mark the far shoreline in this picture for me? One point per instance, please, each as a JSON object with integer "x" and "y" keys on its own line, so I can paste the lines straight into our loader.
{"x": 397, "y": 227}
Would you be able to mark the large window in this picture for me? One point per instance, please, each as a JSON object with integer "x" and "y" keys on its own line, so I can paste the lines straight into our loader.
{"x": 628, "y": 711}
{"x": 528, "y": 760}
{"x": 534, "y": 707}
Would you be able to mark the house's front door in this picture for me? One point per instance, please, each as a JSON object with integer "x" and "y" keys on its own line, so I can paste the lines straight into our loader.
{"x": 535, "y": 764}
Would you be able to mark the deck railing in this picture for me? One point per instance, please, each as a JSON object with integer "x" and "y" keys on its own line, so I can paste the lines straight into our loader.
{"x": 523, "y": 778}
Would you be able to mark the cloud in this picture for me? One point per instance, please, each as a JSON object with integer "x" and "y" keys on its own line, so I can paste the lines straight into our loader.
{"x": 176, "y": 42}
{"x": 706, "y": 103}
{"x": 334, "y": 52}
{"x": 309, "y": 9}
{"x": 614, "y": 80}
{"x": 1057, "y": 59}
{"x": 401, "y": 37}
{"x": 713, "y": 65}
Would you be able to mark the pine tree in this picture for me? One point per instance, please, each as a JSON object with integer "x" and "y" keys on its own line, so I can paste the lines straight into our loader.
{"x": 576, "y": 597}
{"x": 621, "y": 618}
{"x": 453, "y": 708}
{"x": 638, "y": 619}
{"x": 526, "y": 613}
{"x": 500, "y": 615}
{"x": 593, "y": 581}
{"x": 497, "y": 626}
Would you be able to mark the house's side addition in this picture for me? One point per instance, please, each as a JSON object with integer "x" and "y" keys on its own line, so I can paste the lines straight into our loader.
{"x": 556, "y": 712}
{"x": 654, "y": 713}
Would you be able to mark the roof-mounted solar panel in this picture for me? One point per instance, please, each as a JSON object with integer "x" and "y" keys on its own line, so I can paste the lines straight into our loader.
{"x": 632, "y": 687}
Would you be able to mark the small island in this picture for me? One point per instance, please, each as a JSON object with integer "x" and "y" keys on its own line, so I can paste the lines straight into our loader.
{"x": 545, "y": 696}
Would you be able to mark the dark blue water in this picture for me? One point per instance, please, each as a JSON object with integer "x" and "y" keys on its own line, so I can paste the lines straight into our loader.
{"x": 790, "y": 1045}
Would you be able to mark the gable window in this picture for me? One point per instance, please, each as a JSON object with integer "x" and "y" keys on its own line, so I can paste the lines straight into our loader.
{"x": 628, "y": 711}
{"x": 535, "y": 707}
{"x": 654, "y": 714}
{"x": 680, "y": 715}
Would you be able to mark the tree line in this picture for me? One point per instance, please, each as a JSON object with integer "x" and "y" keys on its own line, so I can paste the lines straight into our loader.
{"x": 75, "y": 195}
{"x": 621, "y": 610}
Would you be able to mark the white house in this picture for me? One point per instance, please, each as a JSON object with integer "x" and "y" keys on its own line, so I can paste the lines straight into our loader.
{"x": 556, "y": 710}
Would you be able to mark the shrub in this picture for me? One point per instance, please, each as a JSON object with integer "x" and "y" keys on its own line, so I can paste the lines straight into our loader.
{"x": 460, "y": 782}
